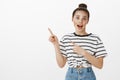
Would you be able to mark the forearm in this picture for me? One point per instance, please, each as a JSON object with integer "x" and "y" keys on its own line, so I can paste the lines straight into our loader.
{"x": 61, "y": 60}
{"x": 97, "y": 62}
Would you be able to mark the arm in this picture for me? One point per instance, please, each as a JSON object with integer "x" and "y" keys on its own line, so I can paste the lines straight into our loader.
{"x": 97, "y": 62}
{"x": 61, "y": 60}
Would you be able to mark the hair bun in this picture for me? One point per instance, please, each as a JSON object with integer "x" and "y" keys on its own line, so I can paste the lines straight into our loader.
{"x": 82, "y": 5}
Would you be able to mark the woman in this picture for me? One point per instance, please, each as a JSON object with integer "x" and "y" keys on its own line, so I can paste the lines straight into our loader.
{"x": 81, "y": 50}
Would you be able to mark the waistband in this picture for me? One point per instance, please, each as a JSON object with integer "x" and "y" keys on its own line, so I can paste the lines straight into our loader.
{"x": 85, "y": 69}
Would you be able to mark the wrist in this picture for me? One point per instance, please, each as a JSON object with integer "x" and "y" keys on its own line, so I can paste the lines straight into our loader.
{"x": 56, "y": 45}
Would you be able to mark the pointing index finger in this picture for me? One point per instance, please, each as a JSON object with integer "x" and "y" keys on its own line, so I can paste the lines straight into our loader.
{"x": 73, "y": 43}
{"x": 50, "y": 31}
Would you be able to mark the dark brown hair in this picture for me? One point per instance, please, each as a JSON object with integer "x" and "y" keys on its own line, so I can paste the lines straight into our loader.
{"x": 81, "y": 7}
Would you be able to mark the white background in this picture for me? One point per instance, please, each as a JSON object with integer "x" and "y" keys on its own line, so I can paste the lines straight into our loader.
{"x": 26, "y": 53}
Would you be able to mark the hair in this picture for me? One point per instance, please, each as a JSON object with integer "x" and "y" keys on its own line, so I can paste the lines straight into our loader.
{"x": 81, "y": 7}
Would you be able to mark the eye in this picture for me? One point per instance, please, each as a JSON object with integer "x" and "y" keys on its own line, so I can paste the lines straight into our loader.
{"x": 77, "y": 17}
{"x": 84, "y": 18}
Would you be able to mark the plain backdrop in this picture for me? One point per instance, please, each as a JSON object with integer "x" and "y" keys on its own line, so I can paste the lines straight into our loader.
{"x": 26, "y": 53}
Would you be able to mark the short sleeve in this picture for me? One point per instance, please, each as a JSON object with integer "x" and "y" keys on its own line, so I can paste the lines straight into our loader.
{"x": 100, "y": 49}
{"x": 62, "y": 47}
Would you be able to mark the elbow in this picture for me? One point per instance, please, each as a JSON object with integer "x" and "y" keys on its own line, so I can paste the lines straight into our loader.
{"x": 61, "y": 63}
{"x": 100, "y": 66}
{"x": 60, "y": 66}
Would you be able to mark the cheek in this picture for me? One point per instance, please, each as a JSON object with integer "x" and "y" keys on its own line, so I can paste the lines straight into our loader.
{"x": 74, "y": 21}
{"x": 85, "y": 22}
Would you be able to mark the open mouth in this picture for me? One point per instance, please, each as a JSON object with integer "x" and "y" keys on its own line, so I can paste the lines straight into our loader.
{"x": 79, "y": 26}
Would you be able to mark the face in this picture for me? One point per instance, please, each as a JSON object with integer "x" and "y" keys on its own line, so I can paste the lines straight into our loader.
{"x": 80, "y": 19}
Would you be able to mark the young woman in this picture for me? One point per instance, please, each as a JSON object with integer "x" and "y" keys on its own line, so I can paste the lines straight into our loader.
{"x": 81, "y": 50}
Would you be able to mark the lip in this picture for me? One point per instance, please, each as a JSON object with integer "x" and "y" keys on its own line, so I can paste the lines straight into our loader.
{"x": 79, "y": 26}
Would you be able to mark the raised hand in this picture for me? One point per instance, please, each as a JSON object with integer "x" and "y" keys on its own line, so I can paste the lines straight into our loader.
{"x": 53, "y": 39}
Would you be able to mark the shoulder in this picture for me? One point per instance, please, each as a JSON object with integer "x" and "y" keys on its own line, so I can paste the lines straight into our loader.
{"x": 96, "y": 36}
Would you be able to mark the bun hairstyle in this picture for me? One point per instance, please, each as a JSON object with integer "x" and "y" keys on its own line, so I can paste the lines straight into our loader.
{"x": 81, "y": 7}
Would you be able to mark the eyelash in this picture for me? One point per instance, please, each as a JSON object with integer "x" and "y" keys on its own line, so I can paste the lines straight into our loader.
{"x": 82, "y": 18}
{"x": 77, "y": 17}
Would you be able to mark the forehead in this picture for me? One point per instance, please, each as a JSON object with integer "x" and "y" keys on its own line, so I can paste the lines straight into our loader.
{"x": 81, "y": 13}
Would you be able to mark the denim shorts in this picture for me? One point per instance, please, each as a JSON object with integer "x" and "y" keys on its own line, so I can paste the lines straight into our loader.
{"x": 80, "y": 74}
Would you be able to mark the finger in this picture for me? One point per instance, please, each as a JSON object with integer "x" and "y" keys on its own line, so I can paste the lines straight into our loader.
{"x": 50, "y": 31}
{"x": 72, "y": 42}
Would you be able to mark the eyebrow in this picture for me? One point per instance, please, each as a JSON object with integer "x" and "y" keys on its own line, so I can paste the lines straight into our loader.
{"x": 83, "y": 16}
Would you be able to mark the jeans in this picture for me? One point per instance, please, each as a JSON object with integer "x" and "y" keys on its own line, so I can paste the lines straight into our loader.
{"x": 80, "y": 74}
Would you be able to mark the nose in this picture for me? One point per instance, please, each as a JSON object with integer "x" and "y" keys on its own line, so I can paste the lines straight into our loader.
{"x": 80, "y": 20}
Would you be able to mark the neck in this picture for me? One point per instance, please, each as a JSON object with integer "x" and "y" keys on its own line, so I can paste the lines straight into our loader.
{"x": 81, "y": 33}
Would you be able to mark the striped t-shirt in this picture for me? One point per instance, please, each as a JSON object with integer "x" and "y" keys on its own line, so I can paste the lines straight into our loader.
{"x": 90, "y": 42}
